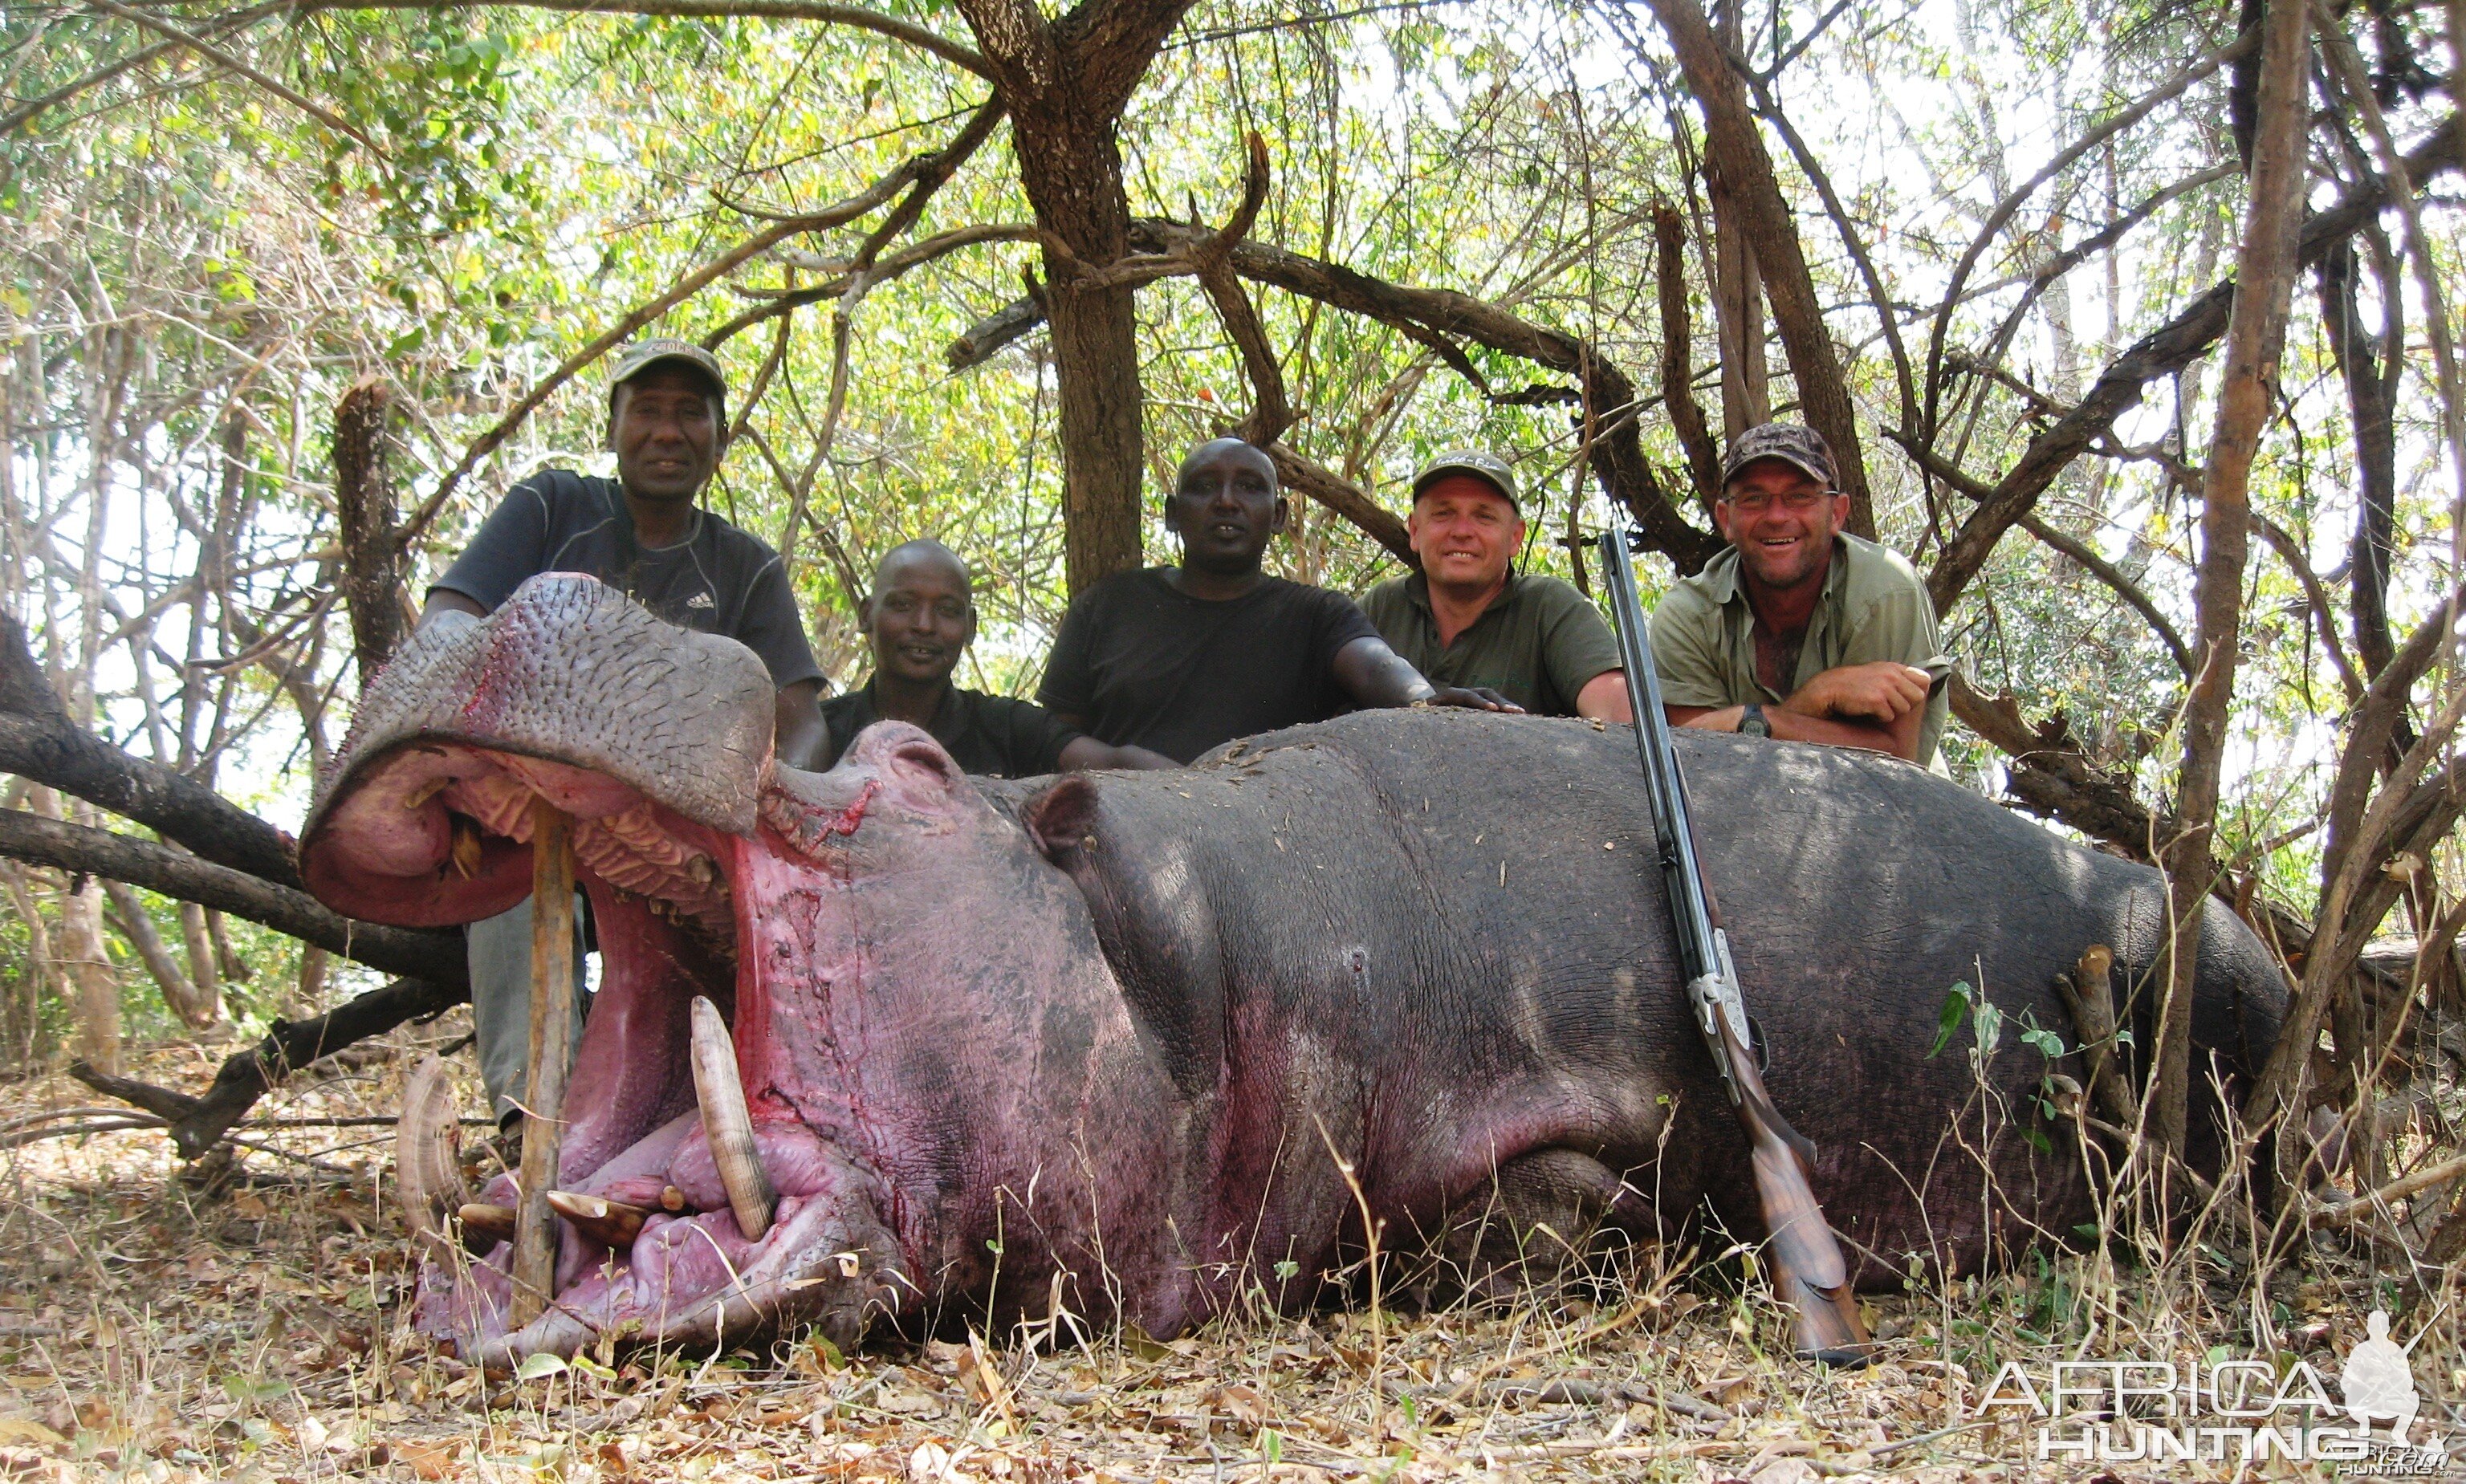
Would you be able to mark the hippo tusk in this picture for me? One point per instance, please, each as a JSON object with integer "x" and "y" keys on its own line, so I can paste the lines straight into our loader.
{"x": 609, "y": 1222}
{"x": 427, "y": 1162}
{"x": 726, "y": 1124}
{"x": 489, "y": 1224}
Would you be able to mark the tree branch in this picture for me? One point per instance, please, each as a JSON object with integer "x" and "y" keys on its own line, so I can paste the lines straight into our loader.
{"x": 2125, "y": 587}
{"x": 438, "y": 957}
{"x": 39, "y": 742}
{"x": 1346, "y": 498}
{"x": 1734, "y": 146}
{"x": 198, "y": 1123}
{"x": 2163, "y": 351}
{"x": 1678, "y": 352}
{"x": 230, "y": 63}
{"x": 858, "y": 17}
{"x": 1611, "y": 399}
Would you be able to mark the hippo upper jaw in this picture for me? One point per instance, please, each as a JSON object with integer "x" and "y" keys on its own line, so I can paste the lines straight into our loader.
{"x": 649, "y": 737}
{"x": 656, "y": 742}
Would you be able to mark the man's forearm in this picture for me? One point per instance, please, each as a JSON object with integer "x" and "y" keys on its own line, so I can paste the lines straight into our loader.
{"x": 1375, "y": 675}
{"x": 1790, "y": 726}
{"x": 1086, "y": 753}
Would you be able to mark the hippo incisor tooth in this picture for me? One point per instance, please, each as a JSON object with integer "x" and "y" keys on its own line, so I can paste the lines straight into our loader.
{"x": 464, "y": 850}
{"x": 609, "y": 1222}
{"x": 671, "y": 1199}
{"x": 426, "y": 1171}
{"x": 726, "y": 1124}
{"x": 489, "y": 1224}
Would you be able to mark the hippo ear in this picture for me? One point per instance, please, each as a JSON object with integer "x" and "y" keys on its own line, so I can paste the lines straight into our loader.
{"x": 1061, "y": 819}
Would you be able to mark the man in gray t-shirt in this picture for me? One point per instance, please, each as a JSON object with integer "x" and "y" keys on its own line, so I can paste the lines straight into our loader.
{"x": 643, "y": 532}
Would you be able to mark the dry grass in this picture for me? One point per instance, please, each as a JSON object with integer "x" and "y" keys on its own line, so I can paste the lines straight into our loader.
{"x": 153, "y": 1329}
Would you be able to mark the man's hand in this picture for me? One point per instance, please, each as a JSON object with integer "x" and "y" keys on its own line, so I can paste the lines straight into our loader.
{"x": 1883, "y": 691}
{"x": 1472, "y": 698}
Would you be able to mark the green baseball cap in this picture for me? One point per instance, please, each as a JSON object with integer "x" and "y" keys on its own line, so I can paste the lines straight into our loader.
{"x": 1481, "y": 465}
{"x": 641, "y": 356}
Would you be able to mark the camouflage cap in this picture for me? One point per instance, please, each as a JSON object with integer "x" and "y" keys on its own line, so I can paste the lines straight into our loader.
{"x": 1475, "y": 463}
{"x": 1800, "y": 446}
{"x": 642, "y": 355}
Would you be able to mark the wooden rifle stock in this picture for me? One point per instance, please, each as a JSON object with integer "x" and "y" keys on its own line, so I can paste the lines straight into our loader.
{"x": 1801, "y": 1251}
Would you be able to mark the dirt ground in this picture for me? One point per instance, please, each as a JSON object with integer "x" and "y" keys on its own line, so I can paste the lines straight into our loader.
{"x": 152, "y": 1327}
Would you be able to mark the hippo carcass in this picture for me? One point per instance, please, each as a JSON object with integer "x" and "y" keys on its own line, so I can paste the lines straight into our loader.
{"x": 1101, "y": 1041}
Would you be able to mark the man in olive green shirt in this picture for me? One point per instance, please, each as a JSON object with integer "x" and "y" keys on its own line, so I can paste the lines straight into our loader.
{"x": 1801, "y": 631}
{"x": 1464, "y": 616}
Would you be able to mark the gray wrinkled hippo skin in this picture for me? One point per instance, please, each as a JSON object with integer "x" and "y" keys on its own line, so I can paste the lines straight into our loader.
{"x": 1449, "y": 928}
{"x": 1115, "y": 1025}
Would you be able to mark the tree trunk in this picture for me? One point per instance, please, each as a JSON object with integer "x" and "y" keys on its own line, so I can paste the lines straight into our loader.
{"x": 2371, "y": 402}
{"x": 97, "y": 1006}
{"x": 1735, "y": 153}
{"x": 197, "y": 939}
{"x": 1677, "y": 357}
{"x": 137, "y": 926}
{"x": 93, "y": 984}
{"x": 363, "y": 508}
{"x": 1072, "y": 169}
{"x": 2255, "y": 331}
{"x": 24, "y": 1021}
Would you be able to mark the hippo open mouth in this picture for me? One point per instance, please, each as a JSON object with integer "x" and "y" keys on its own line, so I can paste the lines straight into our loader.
{"x": 688, "y": 1214}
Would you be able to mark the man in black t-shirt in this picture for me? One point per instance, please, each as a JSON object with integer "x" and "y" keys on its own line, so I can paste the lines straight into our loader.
{"x": 642, "y": 532}
{"x": 919, "y": 620}
{"x": 1180, "y": 659}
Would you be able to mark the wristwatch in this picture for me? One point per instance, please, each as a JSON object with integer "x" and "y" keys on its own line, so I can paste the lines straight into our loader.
{"x": 1751, "y": 721}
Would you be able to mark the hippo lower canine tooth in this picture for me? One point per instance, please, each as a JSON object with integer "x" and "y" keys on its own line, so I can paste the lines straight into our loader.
{"x": 726, "y": 1124}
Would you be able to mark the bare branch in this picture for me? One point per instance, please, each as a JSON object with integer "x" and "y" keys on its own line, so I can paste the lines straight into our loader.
{"x": 1346, "y": 498}
{"x": 990, "y": 333}
{"x": 2125, "y": 587}
{"x": 230, "y": 63}
{"x": 438, "y": 957}
{"x": 38, "y": 741}
{"x": 2168, "y": 348}
{"x": 2112, "y": 124}
{"x": 831, "y": 215}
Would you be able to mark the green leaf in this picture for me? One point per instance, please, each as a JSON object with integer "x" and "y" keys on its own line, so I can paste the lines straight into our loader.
{"x": 538, "y": 1365}
{"x": 254, "y": 1388}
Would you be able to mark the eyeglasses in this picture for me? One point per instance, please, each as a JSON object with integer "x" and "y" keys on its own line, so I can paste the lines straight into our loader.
{"x": 1797, "y": 501}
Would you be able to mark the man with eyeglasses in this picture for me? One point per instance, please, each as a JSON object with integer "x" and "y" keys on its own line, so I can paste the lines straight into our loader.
{"x": 1801, "y": 631}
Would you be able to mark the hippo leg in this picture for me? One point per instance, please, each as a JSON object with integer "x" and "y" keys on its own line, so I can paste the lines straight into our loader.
{"x": 1537, "y": 1218}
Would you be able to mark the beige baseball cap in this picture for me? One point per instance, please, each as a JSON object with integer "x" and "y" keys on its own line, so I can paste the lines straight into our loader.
{"x": 641, "y": 356}
{"x": 1476, "y": 463}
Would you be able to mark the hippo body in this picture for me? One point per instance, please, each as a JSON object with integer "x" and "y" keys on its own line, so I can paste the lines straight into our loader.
{"x": 1102, "y": 1041}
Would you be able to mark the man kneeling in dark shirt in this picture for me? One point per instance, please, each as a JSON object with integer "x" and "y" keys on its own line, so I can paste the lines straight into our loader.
{"x": 918, "y": 620}
{"x": 1184, "y": 658}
